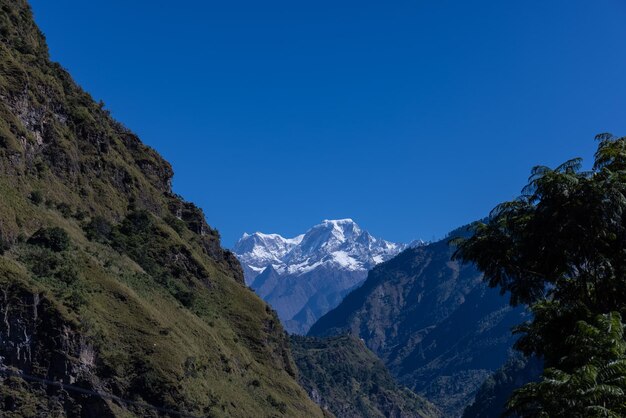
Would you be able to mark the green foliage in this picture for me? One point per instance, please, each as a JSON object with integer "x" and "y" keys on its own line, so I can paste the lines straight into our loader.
{"x": 127, "y": 303}
{"x": 148, "y": 244}
{"x": 57, "y": 270}
{"x": 279, "y": 406}
{"x": 98, "y": 229}
{"x": 54, "y": 238}
{"x": 562, "y": 238}
{"x": 65, "y": 209}
{"x": 350, "y": 381}
{"x": 492, "y": 397}
{"x": 560, "y": 249}
{"x": 176, "y": 224}
{"x": 595, "y": 383}
{"x": 36, "y": 197}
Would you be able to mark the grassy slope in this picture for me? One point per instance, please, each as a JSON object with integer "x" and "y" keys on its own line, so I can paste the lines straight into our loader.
{"x": 344, "y": 376}
{"x": 160, "y": 304}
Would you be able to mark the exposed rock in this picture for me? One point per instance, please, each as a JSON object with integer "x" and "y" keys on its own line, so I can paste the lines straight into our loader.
{"x": 36, "y": 341}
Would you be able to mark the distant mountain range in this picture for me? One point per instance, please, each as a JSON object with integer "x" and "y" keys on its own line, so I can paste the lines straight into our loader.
{"x": 304, "y": 277}
{"x": 433, "y": 321}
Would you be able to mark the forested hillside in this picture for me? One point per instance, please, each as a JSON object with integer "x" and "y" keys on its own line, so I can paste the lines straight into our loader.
{"x": 342, "y": 375}
{"x": 492, "y": 397}
{"x": 437, "y": 326}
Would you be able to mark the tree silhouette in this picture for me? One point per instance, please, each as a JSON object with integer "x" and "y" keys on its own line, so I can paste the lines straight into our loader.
{"x": 596, "y": 386}
{"x": 560, "y": 248}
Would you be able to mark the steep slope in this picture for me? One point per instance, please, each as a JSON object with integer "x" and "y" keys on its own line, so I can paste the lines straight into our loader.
{"x": 433, "y": 321}
{"x": 491, "y": 399}
{"x": 305, "y": 277}
{"x": 110, "y": 282}
{"x": 345, "y": 377}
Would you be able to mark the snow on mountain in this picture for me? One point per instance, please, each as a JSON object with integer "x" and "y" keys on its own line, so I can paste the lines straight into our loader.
{"x": 257, "y": 251}
{"x": 311, "y": 273}
{"x": 340, "y": 243}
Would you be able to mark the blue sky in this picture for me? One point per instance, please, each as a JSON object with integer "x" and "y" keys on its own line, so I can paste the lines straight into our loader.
{"x": 411, "y": 117}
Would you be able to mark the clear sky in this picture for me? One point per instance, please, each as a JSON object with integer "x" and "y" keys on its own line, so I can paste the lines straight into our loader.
{"x": 411, "y": 117}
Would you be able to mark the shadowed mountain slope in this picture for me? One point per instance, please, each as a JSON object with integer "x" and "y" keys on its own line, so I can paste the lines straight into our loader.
{"x": 435, "y": 324}
{"x": 491, "y": 399}
{"x": 344, "y": 376}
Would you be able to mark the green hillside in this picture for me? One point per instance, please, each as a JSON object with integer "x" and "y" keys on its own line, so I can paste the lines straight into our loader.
{"x": 346, "y": 378}
{"x": 109, "y": 281}
{"x": 434, "y": 323}
{"x": 491, "y": 399}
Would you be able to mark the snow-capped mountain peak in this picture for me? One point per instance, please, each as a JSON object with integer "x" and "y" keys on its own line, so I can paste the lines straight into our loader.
{"x": 326, "y": 237}
{"x": 334, "y": 242}
{"x": 306, "y": 276}
{"x": 258, "y": 250}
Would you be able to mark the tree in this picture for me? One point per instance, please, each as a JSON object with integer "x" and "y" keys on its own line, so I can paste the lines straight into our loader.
{"x": 596, "y": 386}
{"x": 560, "y": 248}
{"x": 54, "y": 238}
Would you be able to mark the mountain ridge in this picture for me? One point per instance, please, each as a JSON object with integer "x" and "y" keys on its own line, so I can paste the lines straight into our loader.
{"x": 342, "y": 375}
{"x": 117, "y": 299}
{"x": 111, "y": 282}
{"x": 305, "y": 276}
{"x": 287, "y": 255}
{"x": 433, "y": 321}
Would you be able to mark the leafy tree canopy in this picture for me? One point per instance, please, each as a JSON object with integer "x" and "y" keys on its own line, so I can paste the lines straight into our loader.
{"x": 596, "y": 385}
{"x": 560, "y": 248}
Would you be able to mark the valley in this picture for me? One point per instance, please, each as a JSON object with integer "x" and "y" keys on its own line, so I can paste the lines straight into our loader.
{"x": 118, "y": 297}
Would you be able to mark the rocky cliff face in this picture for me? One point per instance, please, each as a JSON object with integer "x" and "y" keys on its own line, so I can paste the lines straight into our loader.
{"x": 433, "y": 321}
{"x": 36, "y": 341}
{"x": 306, "y": 276}
{"x": 108, "y": 280}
